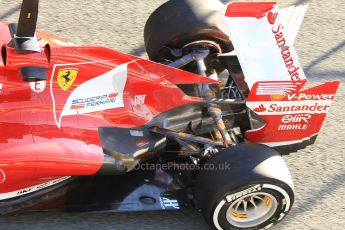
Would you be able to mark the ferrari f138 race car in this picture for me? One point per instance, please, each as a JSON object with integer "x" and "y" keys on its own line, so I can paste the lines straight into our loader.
{"x": 203, "y": 123}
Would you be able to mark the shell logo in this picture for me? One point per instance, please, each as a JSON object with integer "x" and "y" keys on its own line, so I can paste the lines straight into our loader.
{"x": 2, "y": 176}
{"x": 277, "y": 97}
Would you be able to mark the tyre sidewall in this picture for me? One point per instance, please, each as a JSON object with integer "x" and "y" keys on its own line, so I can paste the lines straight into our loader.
{"x": 250, "y": 164}
{"x": 279, "y": 190}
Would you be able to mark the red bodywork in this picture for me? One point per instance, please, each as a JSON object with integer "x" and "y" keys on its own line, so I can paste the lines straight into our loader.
{"x": 34, "y": 148}
{"x": 50, "y": 129}
{"x": 292, "y": 118}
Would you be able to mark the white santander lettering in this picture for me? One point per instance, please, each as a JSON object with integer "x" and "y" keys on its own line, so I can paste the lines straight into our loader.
{"x": 312, "y": 108}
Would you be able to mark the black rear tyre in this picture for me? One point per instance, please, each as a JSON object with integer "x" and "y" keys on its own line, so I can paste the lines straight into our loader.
{"x": 249, "y": 187}
{"x": 179, "y": 22}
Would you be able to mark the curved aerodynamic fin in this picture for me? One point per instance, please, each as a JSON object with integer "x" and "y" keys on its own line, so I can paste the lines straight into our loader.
{"x": 262, "y": 35}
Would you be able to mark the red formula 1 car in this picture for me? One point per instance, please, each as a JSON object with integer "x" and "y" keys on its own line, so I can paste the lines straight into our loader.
{"x": 203, "y": 123}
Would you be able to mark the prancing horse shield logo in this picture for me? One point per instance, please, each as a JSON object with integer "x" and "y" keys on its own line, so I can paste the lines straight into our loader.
{"x": 66, "y": 78}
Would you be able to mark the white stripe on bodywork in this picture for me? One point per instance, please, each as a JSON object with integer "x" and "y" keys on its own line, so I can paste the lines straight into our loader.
{"x": 52, "y": 77}
{"x": 269, "y": 88}
{"x": 25, "y": 191}
{"x": 113, "y": 81}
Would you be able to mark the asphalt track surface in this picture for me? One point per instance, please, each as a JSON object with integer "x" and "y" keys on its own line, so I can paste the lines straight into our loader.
{"x": 318, "y": 171}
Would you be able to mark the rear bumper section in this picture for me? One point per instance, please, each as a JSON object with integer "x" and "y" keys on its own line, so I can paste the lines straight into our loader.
{"x": 294, "y": 147}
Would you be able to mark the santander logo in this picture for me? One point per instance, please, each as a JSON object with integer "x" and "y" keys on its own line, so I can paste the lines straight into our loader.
{"x": 271, "y": 17}
{"x": 279, "y": 35}
{"x": 260, "y": 109}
